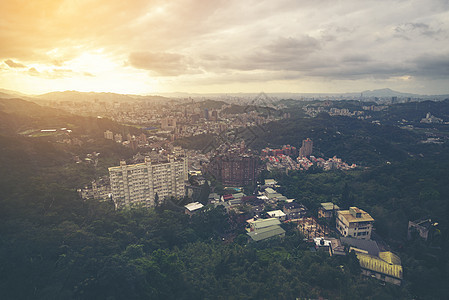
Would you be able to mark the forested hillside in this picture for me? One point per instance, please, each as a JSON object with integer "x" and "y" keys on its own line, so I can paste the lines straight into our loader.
{"x": 53, "y": 245}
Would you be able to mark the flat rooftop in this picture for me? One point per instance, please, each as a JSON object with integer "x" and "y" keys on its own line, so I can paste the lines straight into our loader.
{"x": 364, "y": 216}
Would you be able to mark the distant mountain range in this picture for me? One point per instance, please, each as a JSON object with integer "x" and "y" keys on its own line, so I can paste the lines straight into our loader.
{"x": 76, "y": 96}
{"x": 92, "y": 96}
{"x": 380, "y": 93}
{"x": 227, "y": 97}
{"x": 389, "y": 93}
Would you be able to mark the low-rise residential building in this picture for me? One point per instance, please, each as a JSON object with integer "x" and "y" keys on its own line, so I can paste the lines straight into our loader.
{"x": 99, "y": 189}
{"x": 336, "y": 248}
{"x": 266, "y": 233}
{"x": 270, "y": 182}
{"x": 273, "y": 197}
{"x": 213, "y": 198}
{"x": 294, "y": 210}
{"x": 322, "y": 244}
{"x": 419, "y": 227}
{"x": 264, "y": 229}
{"x": 327, "y": 210}
{"x": 262, "y": 223}
{"x": 278, "y": 214}
{"x": 355, "y": 223}
{"x": 193, "y": 207}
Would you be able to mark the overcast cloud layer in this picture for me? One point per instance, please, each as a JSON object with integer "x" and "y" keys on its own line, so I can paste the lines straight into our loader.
{"x": 224, "y": 46}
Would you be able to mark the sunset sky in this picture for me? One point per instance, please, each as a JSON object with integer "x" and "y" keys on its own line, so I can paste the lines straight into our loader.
{"x": 146, "y": 47}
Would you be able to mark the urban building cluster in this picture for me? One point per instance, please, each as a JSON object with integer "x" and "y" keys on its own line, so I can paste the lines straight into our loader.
{"x": 283, "y": 159}
{"x": 354, "y": 226}
{"x": 333, "y": 163}
{"x": 363, "y": 113}
{"x": 168, "y": 119}
{"x": 132, "y": 141}
{"x": 281, "y": 162}
{"x": 154, "y": 176}
{"x": 431, "y": 119}
{"x": 313, "y": 110}
{"x": 284, "y": 150}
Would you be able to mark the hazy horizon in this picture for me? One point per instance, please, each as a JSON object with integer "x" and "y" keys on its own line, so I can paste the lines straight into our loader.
{"x": 225, "y": 47}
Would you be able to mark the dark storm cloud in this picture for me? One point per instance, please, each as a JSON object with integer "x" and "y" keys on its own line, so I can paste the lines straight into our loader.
{"x": 433, "y": 66}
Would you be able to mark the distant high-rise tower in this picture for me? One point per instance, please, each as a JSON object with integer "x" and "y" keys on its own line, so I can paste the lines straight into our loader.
{"x": 206, "y": 114}
{"x": 214, "y": 115}
{"x": 306, "y": 148}
{"x": 168, "y": 124}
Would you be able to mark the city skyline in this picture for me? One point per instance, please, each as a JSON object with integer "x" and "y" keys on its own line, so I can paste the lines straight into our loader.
{"x": 224, "y": 46}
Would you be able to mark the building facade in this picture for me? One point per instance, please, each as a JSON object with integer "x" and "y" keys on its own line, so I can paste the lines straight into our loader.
{"x": 306, "y": 148}
{"x": 234, "y": 169}
{"x": 354, "y": 223}
{"x": 327, "y": 210}
{"x": 138, "y": 184}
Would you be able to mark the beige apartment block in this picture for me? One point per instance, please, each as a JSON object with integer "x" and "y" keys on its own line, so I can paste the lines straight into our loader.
{"x": 138, "y": 184}
{"x": 354, "y": 223}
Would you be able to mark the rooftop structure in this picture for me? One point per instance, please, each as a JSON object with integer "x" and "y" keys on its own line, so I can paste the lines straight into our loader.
{"x": 266, "y": 233}
{"x": 270, "y": 182}
{"x": 262, "y": 223}
{"x": 336, "y": 248}
{"x": 386, "y": 267}
{"x": 279, "y": 214}
{"x": 193, "y": 207}
{"x": 363, "y": 246}
{"x": 294, "y": 210}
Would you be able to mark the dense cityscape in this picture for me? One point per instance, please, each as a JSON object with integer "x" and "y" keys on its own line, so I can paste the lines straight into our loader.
{"x": 237, "y": 172}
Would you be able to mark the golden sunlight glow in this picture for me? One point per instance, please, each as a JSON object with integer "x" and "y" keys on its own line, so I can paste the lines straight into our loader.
{"x": 219, "y": 46}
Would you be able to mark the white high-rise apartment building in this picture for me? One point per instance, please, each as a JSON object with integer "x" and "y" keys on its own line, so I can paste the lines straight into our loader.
{"x": 138, "y": 184}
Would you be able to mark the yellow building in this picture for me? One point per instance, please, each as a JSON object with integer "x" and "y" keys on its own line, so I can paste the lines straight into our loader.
{"x": 386, "y": 267}
{"x": 354, "y": 223}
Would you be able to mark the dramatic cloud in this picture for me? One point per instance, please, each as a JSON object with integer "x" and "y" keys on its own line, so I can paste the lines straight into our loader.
{"x": 33, "y": 72}
{"x": 163, "y": 64}
{"x": 13, "y": 64}
{"x": 189, "y": 44}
